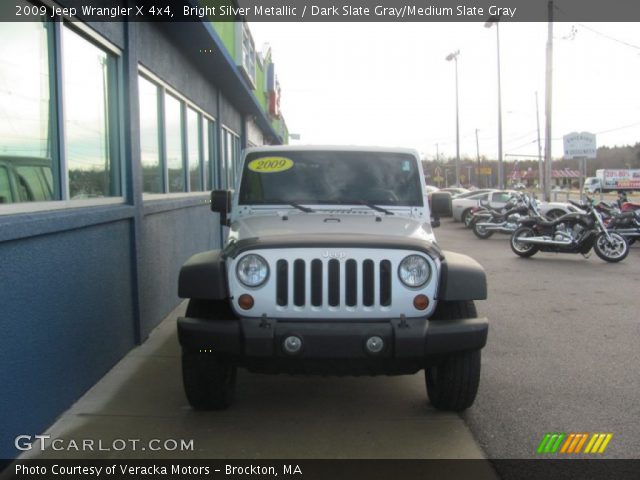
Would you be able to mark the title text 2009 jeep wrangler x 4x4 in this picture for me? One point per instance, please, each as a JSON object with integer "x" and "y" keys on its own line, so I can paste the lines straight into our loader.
{"x": 331, "y": 267}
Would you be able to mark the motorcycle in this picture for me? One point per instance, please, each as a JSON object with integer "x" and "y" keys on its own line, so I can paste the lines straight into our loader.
{"x": 488, "y": 221}
{"x": 576, "y": 232}
{"x": 625, "y": 222}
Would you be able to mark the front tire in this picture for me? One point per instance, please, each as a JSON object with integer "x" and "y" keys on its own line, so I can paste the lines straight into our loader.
{"x": 452, "y": 384}
{"x": 613, "y": 250}
{"x": 522, "y": 249}
{"x": 209, "y": 380}
{"x": 467, "y": 218}
{"x": 481, "y": 232}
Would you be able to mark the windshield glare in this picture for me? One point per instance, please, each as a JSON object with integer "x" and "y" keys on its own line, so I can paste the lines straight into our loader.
{"x": 330, "y": 177}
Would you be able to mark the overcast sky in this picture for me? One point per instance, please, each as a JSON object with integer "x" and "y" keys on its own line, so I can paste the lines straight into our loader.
{"x": 389, "y": 84}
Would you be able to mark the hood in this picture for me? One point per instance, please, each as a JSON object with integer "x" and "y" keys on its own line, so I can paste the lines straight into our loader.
{"x": 391, "y": 226}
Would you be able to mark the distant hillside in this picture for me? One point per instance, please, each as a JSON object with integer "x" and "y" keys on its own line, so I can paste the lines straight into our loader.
{"x": 606, "y": 157}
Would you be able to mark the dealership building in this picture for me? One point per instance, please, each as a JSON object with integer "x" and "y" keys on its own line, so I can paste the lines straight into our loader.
{"x": 111, "y": 136}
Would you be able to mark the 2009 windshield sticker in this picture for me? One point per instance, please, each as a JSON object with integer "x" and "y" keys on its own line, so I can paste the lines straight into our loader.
{"x": 270, "y": 164}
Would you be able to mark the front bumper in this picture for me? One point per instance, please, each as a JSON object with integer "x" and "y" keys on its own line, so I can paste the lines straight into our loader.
{"x": 330, "y": 345}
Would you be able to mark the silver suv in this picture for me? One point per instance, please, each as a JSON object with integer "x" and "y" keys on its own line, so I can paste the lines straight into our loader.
{"x": 331, "y": 267}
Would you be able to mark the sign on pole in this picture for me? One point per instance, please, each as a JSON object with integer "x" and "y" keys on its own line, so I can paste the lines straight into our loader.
{"x": 579, "y": 145}
{"x": 583, "y": 146}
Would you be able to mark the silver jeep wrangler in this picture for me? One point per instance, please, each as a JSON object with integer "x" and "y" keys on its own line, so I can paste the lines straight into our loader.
{"x": 331, "y": 267}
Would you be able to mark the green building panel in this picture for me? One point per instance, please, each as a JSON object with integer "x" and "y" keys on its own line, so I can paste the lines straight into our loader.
{"x": 227, "y": 33}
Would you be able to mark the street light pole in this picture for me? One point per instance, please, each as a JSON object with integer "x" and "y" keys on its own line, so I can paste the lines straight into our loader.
{"x": 454, "y": 56}
{"x": 541, "y": 181}
{"x": 493, "y": 20}
{"x": 478, "y": 159}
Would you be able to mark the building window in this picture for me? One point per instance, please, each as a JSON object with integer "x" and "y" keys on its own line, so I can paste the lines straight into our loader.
{"x": 89, "y": 135}
{"x": 150, "y": 137}
{"x": 193, "y": 150}
{"x": 173, "y": 139}
{"x": 207, "y": 151}
{"x": 58, "y": 141}
{"x": 231, "y": 160}
{"x": 176, "y": 140}
{"x": 247, "y": 53}
{"x": 26, "y": 129}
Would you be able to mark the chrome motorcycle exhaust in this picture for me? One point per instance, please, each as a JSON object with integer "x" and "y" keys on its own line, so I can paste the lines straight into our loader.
{"x": 545, "y": 241}
{"x": 496, "y": 227}
{"x": 627, "y": 232}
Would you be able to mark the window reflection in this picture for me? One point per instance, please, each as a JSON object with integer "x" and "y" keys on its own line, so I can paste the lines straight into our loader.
{"x": 206, "y": 152}
{"x": 149, "y": 137}
{"x": 193, "y": 151}
{"x": 26, "y": 149}
{"x": 6, "y": 195}
{"x": 231, "y": 151}
{"x": 173, "y": 122}
{"x": 86, "y": 106}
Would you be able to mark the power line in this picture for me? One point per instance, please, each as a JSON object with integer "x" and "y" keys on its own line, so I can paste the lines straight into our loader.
{"x": 609, "y": 37}
{"x": 619, "y": 128}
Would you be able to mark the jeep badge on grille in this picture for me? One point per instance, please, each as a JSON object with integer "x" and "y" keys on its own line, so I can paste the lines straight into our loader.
{"x": 329, "y": 254}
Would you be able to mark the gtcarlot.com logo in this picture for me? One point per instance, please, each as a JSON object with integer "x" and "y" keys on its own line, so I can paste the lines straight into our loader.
{"x": 574, "y": 443}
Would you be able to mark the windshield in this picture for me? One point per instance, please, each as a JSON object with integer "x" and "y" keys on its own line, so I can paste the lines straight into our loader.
{"x": 330, "y": 177}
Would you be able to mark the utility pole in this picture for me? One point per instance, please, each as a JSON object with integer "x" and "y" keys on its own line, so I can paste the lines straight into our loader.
{"x": 437, "y": 154}
{"x": 541, "y": 182}
{"x": 454, "y": 56}
{"x": 478, "y": 159}
{"x": 495, "y": 20}
{"x": 548, "y": 96}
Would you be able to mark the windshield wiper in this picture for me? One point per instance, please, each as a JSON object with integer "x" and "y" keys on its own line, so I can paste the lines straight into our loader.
{"x": 302, "y": 208}
{"x": 371, "y": 206}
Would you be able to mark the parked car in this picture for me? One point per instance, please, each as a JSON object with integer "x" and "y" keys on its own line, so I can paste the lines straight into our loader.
{"x": 461, "y": 206}
{"x": 475, "y": 191}
{"x": 455, "y": 191}
{"x": 329, "y": 268}
{"x": 553, "y": 210}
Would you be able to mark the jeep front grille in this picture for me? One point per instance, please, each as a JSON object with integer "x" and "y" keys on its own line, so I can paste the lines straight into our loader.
{"x": 333, "y": 283}
{"x": 341, "y": 283}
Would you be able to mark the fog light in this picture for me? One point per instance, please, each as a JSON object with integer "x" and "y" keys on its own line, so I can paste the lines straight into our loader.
{"x": 374, "y": 344}
{"x": 292, "y": 345}
{"x": 245, "y": 302}
{"x": 421, "y": 302}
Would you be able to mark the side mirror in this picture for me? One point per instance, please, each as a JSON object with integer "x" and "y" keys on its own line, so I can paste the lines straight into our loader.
{"x": 221, "y": 203}
{"x": 440, "y": 204}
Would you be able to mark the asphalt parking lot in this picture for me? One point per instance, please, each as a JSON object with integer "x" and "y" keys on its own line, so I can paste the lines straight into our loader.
{"x": 562, "y": 356}
{"x": 563, "y": 352}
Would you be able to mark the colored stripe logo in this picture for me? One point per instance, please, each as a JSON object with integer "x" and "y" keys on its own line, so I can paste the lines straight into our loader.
{"x": 573, "y": 443}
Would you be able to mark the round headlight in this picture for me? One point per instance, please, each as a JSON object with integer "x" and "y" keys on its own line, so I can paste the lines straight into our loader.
{"x": 252, "y": 270}
{"x": 414, "y": 271}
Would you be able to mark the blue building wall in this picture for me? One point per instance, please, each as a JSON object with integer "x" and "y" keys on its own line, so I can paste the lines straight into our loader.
{"x": 80, "y": 286}
{"x": 171, "y": 233}
{"x": 66, "y": 318}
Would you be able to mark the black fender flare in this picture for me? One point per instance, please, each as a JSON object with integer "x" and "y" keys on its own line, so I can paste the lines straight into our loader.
{"x": 461, "y": 278}
{"x": 204, "y": 277}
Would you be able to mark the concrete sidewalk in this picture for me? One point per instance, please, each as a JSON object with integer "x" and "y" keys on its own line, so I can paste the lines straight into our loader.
{"x": 274, "y": 417}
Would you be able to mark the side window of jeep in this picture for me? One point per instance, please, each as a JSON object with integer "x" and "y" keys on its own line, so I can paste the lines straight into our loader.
{"x": 34, "y": 184}
{"x": 5, "y": 187}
